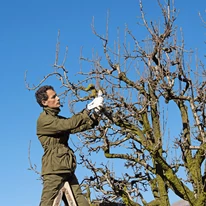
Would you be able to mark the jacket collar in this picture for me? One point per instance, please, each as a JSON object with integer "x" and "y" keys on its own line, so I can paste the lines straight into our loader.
{"x": 52, "y": 111}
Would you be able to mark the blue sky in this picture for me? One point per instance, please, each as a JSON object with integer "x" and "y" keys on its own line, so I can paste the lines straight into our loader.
{"x": 27, "y": 42}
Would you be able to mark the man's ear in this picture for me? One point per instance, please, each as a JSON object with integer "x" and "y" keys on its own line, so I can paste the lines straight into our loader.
{"x": 44, "y": 102}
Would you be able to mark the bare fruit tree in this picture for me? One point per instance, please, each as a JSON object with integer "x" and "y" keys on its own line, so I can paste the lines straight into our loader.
{"x": 143, "y": 80}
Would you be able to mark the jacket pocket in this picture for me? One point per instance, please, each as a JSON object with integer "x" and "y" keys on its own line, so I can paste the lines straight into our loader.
{"x": 63, "y": 158}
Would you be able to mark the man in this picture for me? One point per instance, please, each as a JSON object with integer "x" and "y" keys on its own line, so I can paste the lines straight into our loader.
{"x": 58, "y": 161}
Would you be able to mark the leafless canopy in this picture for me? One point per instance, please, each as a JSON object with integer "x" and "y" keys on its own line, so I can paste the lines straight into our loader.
{"x": 143, "y": 81}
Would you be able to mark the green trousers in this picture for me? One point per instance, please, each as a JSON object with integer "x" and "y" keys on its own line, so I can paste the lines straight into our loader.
{"x": 53, "y": 183}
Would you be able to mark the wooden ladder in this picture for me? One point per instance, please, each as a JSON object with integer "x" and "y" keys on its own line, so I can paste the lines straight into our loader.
{"x": 66, "y": 190}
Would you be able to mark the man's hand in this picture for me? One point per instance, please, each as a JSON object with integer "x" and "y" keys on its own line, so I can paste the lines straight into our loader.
{"x": 96, "y": 104}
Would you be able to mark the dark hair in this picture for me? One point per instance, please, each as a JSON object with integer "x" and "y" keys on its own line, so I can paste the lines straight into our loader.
{"x": 41, "y": 94}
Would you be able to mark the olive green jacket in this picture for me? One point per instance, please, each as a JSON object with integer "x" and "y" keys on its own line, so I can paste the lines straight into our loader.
{"x": 53, "y": 132}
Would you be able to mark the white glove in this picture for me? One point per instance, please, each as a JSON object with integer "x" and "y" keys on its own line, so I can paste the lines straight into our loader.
{"x": 96, "y": 104}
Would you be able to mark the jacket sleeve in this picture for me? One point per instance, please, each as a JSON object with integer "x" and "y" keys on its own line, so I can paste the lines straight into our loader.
{"x": 50, "y": 125}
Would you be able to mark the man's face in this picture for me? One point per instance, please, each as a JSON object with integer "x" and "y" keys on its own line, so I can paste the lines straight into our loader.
{"x": 53, "y": 100}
